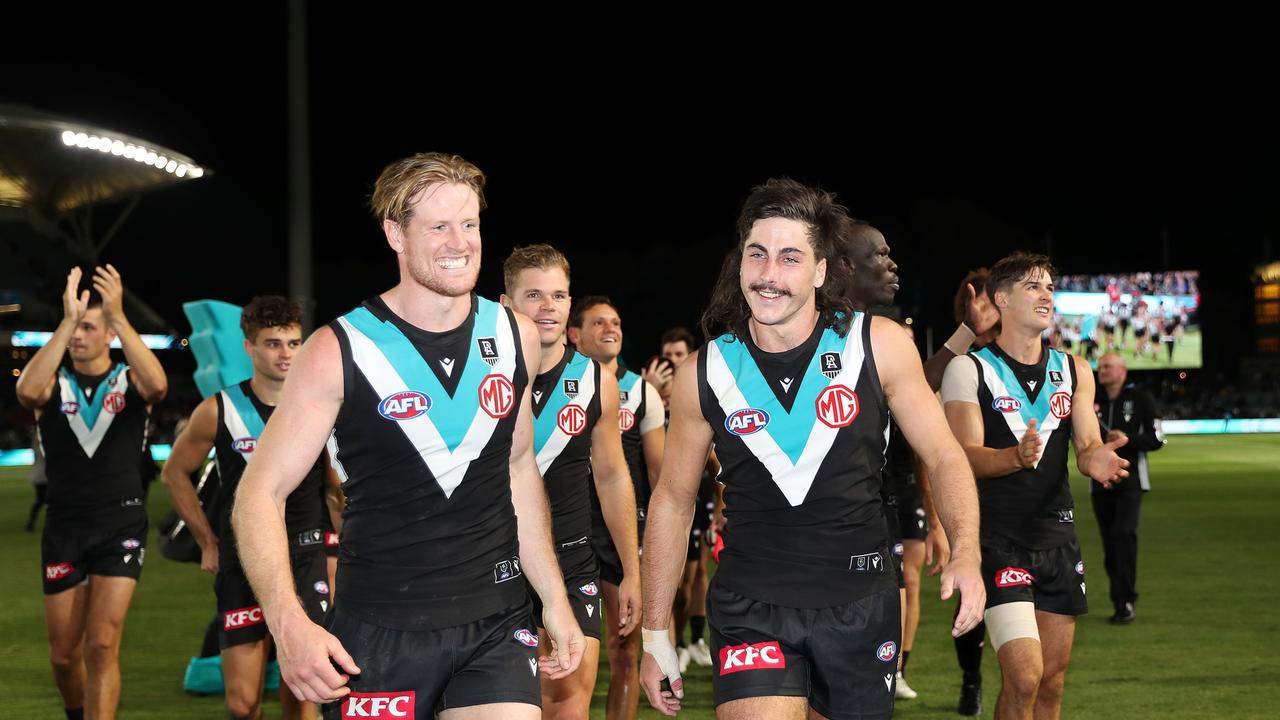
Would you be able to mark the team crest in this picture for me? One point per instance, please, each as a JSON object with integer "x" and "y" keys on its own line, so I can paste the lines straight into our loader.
{"x": 570, "y": 388}
{"x": 488, "y": 350}
{"x": 830, "y": 364}
{"x": 1055, "y": 377}
{"x": 624, "y": 395}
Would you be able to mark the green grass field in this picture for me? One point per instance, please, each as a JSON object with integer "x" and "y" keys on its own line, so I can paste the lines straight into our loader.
{"x": 1204, "y": 645}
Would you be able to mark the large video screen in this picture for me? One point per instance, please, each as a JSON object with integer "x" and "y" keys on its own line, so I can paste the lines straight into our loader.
{"x": 1151, "y": 319}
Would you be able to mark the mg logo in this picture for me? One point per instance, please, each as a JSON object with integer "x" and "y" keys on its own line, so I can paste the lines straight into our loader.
{"x": 746, "y": 421}
{"x": 837, "y": 406}
{"x": 497, "y": 396}
{"x": 404, "y": 405}
{"x": 1060, "y": 405}
{"x": 113, "y": 403}
{"x": 572, "y": 419}
{"x": 626, "y": 419}
{"x": 1006, "y": 404}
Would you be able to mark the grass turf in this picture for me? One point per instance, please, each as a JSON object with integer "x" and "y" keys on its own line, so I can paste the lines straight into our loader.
{"x": 1204, "y": 644}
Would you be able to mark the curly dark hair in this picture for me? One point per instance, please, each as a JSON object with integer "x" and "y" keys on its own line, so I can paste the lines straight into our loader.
{"x": 268, "y": 311}
{"x": 826, "y": 220}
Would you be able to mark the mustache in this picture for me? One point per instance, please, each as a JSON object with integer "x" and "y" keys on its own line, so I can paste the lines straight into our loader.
{"x": 757, "y": 287}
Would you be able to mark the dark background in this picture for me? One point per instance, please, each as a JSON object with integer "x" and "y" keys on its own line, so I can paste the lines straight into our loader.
{"x": 634, "y": 162}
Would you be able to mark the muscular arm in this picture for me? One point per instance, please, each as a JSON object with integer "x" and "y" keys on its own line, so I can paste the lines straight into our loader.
{"x": 35, "y": 384}
{"x": 954, "y": 490}
{"x": 292, "y": 440}
{"x": 960, "y": 396}
{"x": 617, "y": 498}
{"x": 529, "y": 498}
{"x": 188, "y": 454}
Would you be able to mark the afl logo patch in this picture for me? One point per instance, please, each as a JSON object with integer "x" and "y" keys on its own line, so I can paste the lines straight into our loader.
{"x": 131, "y": 544}
{"x": 321, "y": 587}
{"x": 746, "y": 421}
{"x": 1060, "y": 405}
{"x": 69, "y": 408}
{"x": 1079, "y": 567}
{"x": 887, "y": 652}
{"x": 113, "y": 403}
{"x": 1006, "y": 404}
{"x": 244, "y": 445}
{"x": 590, "y": 589}
{"x": 404, "y": 405}
{"x": 526, "y": 638}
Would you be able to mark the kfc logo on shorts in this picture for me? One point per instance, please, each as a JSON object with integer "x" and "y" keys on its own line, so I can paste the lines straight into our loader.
{"x": 760, "y": 656}
{"x": 384, "y": 705}
{"x": 1012, "y": 576}
{"x": 242, "y": 618}
{"x": 404, "y": 405}
{"x": 321, "y": 587}
{"x": 572, "y": 420}
{"x": 69, "y": 408}
{"x": 57, "y": 571}
{"x": 331, "y": 539}
{"x": 113, "y": 403}
{"x": 837, "y": 406}
{"x": 131, "y": 544}
{"x": 1060, "y": 405}
{"x": 244, "y": 445}
{"x": 626, "y": 419}
{"x": 590, "y": 589}
{"x": 887, "y": 652}
{"x": 497, "y": 396}
{"x": 1079, "y": 567}
{"x": 526, "y": 637}
{"x": 746, "y": 421}
{"x": 1006, "y": 404}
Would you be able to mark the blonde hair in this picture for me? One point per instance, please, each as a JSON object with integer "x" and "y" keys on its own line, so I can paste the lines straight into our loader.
{"x": 401, "y": 182}
{"x": 532, "y": 257}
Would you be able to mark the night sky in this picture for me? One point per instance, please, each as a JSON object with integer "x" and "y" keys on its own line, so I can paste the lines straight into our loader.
{"x": 635, "y": 165}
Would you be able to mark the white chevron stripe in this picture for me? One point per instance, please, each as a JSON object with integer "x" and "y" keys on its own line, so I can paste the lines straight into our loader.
{"x": 448, "y": 468}
{"x": 234, "y": 423}
{"x": 89, "y": 438}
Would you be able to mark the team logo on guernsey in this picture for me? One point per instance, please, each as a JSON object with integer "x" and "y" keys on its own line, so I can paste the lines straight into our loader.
{"x": 624, "y": 395}
{"x": 131, "y": 544}
{"x": 570, "y": 388}
{"x": 830, "y": 364}
{"x": 497, "y": 396}
{"x": 57, "y": 571}
{"x": 746, "y": 421}
{"x": 1006, "y": 404}
{"x": 1012, "y": 577}
{"x": 113, "y": 403}
{"x": 887, "y": 652}
{"x": 488, "y": 350}
{"x": 404, "y": 405}
{"x": 626, "y": 419}
{"x": 379, "y": 706}
{"x": 589, "y": 589}
{"x": 526, "y": 637}
{"x": 69, "y": 408}
{"x": 837, "y": 406}
{"x": 1055, "y": 377}
{"x": 244, "y": 444}
{"x": 760, "y": 656}
{"x": 1060, "y": 405}
{"x": 571, "y": 419}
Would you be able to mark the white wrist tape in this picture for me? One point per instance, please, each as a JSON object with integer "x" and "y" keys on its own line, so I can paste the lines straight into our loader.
{"x": 658, "y": 644}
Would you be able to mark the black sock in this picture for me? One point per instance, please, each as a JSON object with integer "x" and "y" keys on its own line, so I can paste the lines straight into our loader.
{"x": 76, "y": 714}
{"x": 969, "y": 651}
{"x": 906, "y": 655}
{"x": 697, "y": 623}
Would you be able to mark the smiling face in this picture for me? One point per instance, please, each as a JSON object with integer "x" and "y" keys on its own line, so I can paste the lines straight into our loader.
{"x": 272, "y": 350}
{"x": 779, "y": 273}
{"x": 1028, "y": 302}
{"x": 439, "y": 247}
{"x": 600, "y": 336}
{"x": 543, "y": 295}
